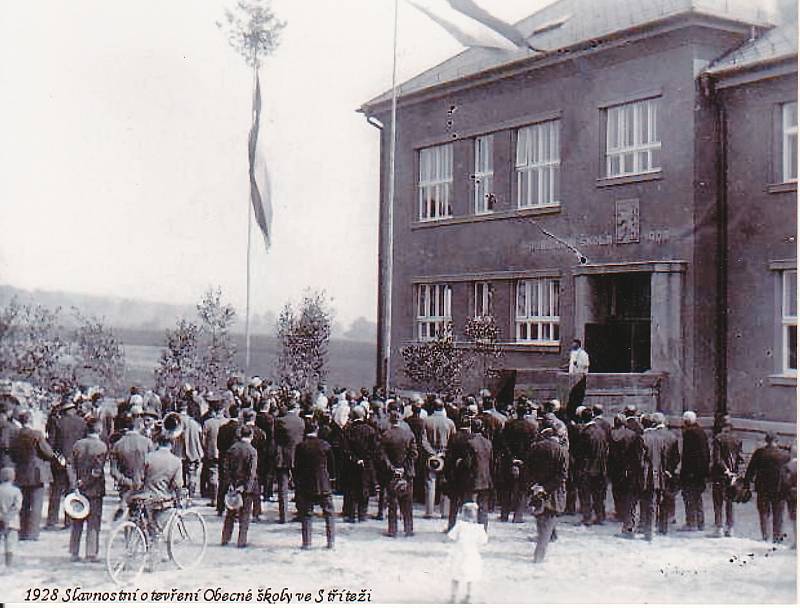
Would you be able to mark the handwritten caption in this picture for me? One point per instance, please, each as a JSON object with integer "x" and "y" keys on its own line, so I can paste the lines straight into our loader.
{"x": 266, "y": 595}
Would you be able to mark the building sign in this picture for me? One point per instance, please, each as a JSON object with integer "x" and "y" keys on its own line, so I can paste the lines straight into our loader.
{"x": 658, "y": 237}
{"x": 627, "y": 221}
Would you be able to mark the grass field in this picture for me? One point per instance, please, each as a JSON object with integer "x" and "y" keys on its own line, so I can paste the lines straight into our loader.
{"x": 350, "y": 363}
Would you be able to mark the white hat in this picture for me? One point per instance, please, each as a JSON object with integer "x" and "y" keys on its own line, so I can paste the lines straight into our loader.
{"x": 76, "y": 505}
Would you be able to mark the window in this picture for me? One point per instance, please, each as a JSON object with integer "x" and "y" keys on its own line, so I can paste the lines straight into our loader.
{"x": 789, "y": 321}
{"x": 433, "y": 310}
{"x": 632, "y": 141}
{"x": 538, "y": 164}
{"x": 484, "y": 174}
{"x": 537, "y": 317}
{"x": 789, "y": 129}
{"x": 435, "y": 182}
{"x": 483, "y": 299}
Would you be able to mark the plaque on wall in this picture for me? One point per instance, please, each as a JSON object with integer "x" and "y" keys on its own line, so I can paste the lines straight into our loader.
{"x": 627, "y": 221}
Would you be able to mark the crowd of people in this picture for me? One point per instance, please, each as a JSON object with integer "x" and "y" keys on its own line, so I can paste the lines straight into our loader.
{"x": 252, "y": 443}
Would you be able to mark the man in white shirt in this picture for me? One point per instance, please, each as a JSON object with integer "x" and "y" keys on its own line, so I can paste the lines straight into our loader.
{"x": 578, "y": 369}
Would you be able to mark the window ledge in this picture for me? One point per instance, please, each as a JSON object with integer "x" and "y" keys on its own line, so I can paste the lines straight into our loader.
{"x": 782, "y": 187}
{"x": 492, "y": 215}
{"x": 783, "y": 380}
{"x": 605, "y": 182}
{"x": 525, "y": 347}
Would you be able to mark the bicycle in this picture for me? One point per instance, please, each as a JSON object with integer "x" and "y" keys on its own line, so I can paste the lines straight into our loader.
{"x": 132, "y": 541}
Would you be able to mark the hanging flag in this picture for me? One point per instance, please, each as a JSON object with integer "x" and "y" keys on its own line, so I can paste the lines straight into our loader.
{"x": 260, "y": 191}
{"x": 472, "y": 25}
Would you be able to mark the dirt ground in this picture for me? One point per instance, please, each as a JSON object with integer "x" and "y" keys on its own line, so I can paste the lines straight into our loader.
{"x": 584, "y": 565}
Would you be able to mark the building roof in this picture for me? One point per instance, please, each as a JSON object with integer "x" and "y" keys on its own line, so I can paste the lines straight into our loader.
{"x": 583, "y": 21}
{"x": 774, "y": 45}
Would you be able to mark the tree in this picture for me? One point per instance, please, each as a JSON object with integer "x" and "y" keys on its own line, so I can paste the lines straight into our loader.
{"x": 253, "y": 30}
{"x": 180, "y": 360}
{"x": 216, "y": 347}
{"x": 304, "y": 336}
{"x": 31, "y": 344}
{"x": 98, "y": 354}
{"x": 437, "y": 365}
{"x": 484, "y": 335}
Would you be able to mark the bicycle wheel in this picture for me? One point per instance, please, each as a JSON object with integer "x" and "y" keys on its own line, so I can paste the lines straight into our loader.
{"x": 126, "y": 553}
{"x": 187, "y": 538}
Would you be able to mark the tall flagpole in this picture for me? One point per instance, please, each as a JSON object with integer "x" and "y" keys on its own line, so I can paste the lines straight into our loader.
{"x": 249, "y": 240}
{"x": 390, "y": 210}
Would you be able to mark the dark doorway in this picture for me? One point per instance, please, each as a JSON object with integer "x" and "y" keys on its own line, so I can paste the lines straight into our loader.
{"x": 619, "y": 339}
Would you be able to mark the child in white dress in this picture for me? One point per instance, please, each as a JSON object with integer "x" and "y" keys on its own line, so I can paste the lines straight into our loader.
{"x": 465, "y": 556}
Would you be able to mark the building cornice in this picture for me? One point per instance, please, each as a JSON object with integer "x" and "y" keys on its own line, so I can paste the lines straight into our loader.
{"x": 785, "y": 65}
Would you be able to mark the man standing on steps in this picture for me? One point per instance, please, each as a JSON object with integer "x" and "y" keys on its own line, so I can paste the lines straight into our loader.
{"x": 313, "y": 462}
{"x": 578, "y": 370}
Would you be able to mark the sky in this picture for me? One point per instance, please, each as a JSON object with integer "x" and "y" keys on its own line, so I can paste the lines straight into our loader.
{"x": 123, "y": 165}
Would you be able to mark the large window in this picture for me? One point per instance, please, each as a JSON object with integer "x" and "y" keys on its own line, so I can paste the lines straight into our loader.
{"x": 433, "y": 310}
{"x": 789, "y": 152}
{"x": 789, "y": 321}
{"x": 484, "y": 174}
{"x": 538, "y": 164}
{"x": 537, "y": 316}
{"x": 483, "y": 299}
{"x": 632, "y": 138}
{"x": 435, "y": 182}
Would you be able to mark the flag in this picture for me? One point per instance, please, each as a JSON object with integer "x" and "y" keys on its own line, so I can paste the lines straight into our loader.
{"x": 260, "y": 191}
{"x": 472, "y": 25}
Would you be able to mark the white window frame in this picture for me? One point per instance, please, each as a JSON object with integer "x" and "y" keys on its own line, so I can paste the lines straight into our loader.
{"x": 788, "y": 320}
{"x": 789, "y": 141}
{"x": 639, "y": 145}
{"x": 531, "y": 319}
{"x": 538, "y": 164}
{"x": 435, "y": 184}
{"x": 434, "y": 301}
{"x": 483, "y": 175}
{"x": 484, "y": 295}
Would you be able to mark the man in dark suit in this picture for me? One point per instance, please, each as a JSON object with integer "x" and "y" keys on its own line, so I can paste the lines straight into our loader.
{"x": 518, "y": 437}
{"x": 260, "y": 445}
{"x": 31, "y": 454}
{"x": 65, "y": 430}
{"x": 482, "y": 482}
{"x": 620, "y": 442}
{"x": 313, "y": 462}
{"x": 672, "y": 460}
{"x": 361, "y": 452}
{"x": 398, "y": 455}
{"x": 7, "y": 429}
{"x": 459, "y": 464}
{"x": 726, "y": 458}
{"x": 241, "y": 472}
{"x": 289, "y": 430}
{"x": 266, "y": 467}
{"x": 765, "y": 468}
{"x": 592, "y": 460}
{"x": 694, "y": 471}
{"x": 656, "y": 467}
{"x": 87, "y": 461}
{"x": 226, "y": 436}
{"x": 548, "y": 462}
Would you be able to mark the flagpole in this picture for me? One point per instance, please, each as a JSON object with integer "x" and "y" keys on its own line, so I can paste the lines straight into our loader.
{"x": 390, "y": 210}
{"x": 249, "y": 240}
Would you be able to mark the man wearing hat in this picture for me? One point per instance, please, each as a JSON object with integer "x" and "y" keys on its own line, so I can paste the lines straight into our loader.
{"x": 31, "y": 454}
{"x": 226, "y": 436}
{"x": 188, "y": 446}
{"x": 241, "y": 473}
{"x": 726, "y": 458}
{"x": 548, "y": 462}
{"x": 127, "y": 459}
{"x": 765, "y": 468}
{"x": 438, "y": 429}
{"x": 313, "y": 463}
{"x": 259, "y": 443}
{"x": 398, "y": 456}
{"x": 209, "y": 479}
{"x": 87, "y": 460}
{"x": 66, "y": 429}
{"x": 361, "y": 451}
{"x": 289, "y": 429}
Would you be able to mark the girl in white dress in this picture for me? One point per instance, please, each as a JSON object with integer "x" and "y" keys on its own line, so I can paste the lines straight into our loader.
{"x": 465, "y": 556}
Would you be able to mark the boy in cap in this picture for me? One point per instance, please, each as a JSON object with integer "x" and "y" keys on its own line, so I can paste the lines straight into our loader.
{"x": 10, "y": 505}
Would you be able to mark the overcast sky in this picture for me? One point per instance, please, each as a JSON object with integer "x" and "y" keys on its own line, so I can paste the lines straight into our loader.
{"x": 123, "y": 167}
